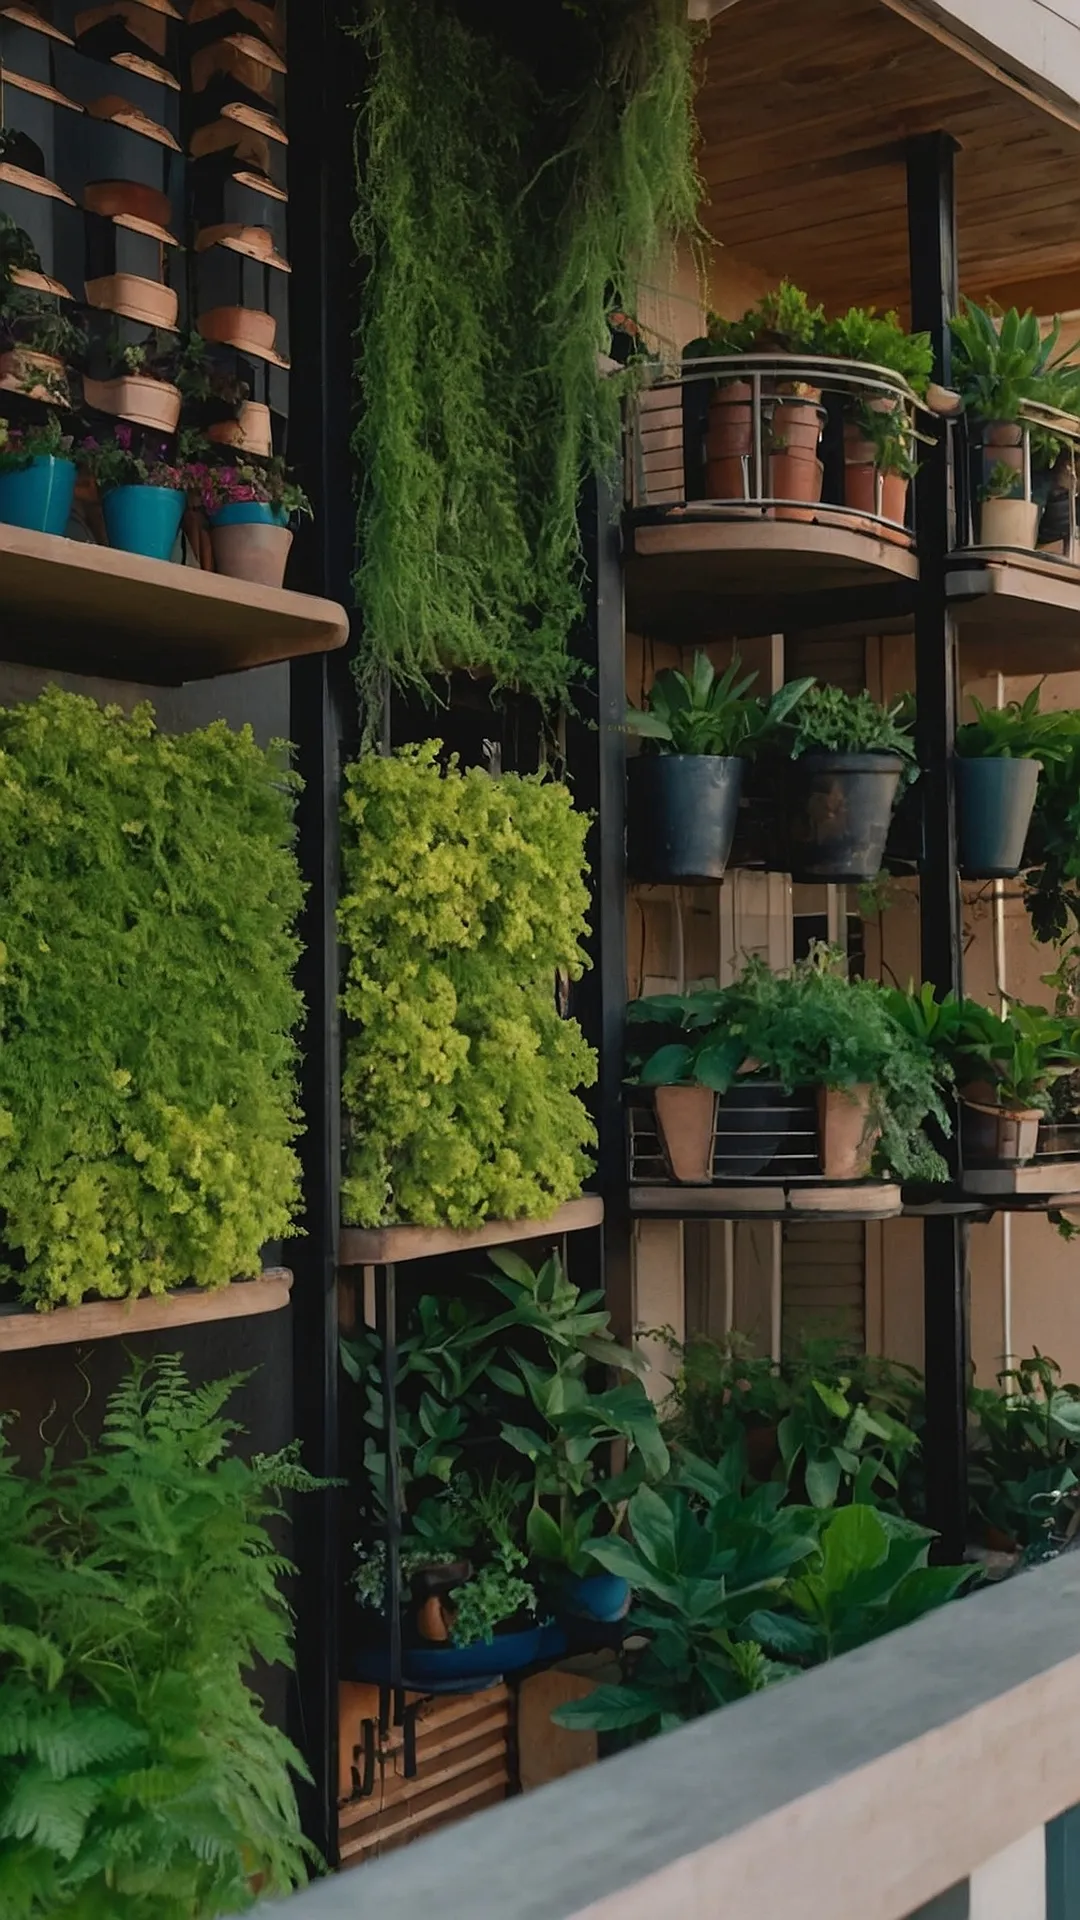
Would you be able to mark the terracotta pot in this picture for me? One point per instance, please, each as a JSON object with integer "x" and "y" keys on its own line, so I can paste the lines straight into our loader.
{"x": 728, "y": 478}
{"x": 136, "y": 397}
{"x": 113, "y": 106}
{"x": 794, "y": 476}
{"x": 135, "y": 298}
{"x": 998, "y": 1135}
{"x": 796, "y": 426}
{"x": 129, "y": 200}
{"x": 1008, "y": 523}
{"x": 847, "y": 1135}
{"x": 38, "y": 282}
{"x": 730, "y": 428}
{"x": 252, "y": 63}
{"x": 1003, "y": 442}
{"x": 258, "y": 553}
{"x": 39, "y": 376}
{"x": 244, "y": 328}
{"x": 434, "y": 1621}
{"x": 251, "y": 432}
{"x": 686, "y": 1120}
{"x": 258, "y": 12}
{"x": 256, "y": 243}
{"x": 861, "y": 490}
{"x": 30, "y": 16}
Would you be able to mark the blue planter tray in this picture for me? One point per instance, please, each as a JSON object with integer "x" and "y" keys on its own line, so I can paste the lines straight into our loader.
{"x": 444, "y": 1669}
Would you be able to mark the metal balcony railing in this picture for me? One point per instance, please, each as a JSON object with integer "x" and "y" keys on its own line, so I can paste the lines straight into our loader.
{"x": 928, "y": 1774}
{"x": 787, "y": 436}
{"x": 1016, "y": 483}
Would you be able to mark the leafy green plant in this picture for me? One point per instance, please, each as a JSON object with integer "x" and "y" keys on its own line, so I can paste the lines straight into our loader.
{"x": 494, "y": 1595}
{"x": 44, "y": 439}
{"x": 862, "y": 333}
{"x": 836, "y": 1441}
{"x": 828, "y": 720}
{"x": 1025, "y": 1470}
{"x": 808, "y": 1027}
{"x": 147, "y": 1004}
{"x": 869, "y": 1577}
{"x": 113, "y": 462}
{"x": 41, "y": 322}
{"x": 1000, "y": 361}
{"x": 781, "y": 321}
{"x": 1002, "y": 482}
{"x": 268, "y": 483}
{"x": 138, "y": 1776}
{"x": 1018, "y": 731}
{"x": 18, "y": 253}
{"x": 710, "y": 713}
{"x": 500, "y": 219}
{"x": 1021, "y": 1051}
{"x": 464, "y": 896}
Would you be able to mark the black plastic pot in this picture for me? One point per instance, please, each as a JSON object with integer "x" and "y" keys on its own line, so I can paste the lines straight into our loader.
{"x": 839, "y": 806}
{"x": 753, "y": 1122}
{"x": 995, "y": 798}
{"x": 680, "y": 816}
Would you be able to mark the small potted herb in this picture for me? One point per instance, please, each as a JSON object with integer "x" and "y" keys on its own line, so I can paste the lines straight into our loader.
{"x": 1006, "y": 1066}
{"x": 999, "y": 758}
{"x": 683, "y": 790}
{"x": 249, "y": 508}
{"x": 143, "y": 494}
{"x": 849, "y": 755}
{"x": 37, "y": 476}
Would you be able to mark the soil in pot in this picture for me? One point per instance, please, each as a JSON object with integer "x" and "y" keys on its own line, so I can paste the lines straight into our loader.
{"x": 847, "y": 1135}
{"x": 681, "y": 814}
{"x": 1008, "y": 523}
{"x": 686, "y": 1119}
{"x": 992, "y": 1136}
{"x": 839, "y": 806}
{"x": 996, "y": 798}
{"x": 38, "y": 496}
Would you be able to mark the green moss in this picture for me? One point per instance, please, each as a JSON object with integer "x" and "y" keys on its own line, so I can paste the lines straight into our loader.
{"x": 499, "y": 223}
{"x": 463, "y": 897}
{"x": 147, "y": 906}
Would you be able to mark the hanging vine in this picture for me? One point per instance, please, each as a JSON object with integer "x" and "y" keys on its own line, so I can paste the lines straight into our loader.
{"x": 509, "y": 189}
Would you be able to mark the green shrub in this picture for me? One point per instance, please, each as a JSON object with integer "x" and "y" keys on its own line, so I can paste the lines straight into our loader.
{"x": 138, "y": 1778}
{"x": 147, "y": 1100}
{"x": 463, "y": 897}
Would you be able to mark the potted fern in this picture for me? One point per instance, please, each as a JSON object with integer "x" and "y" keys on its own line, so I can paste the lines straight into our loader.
{"x": 848, "y": 757}
{"x": 683, "y": 790}
{"x": 999, "y": 756}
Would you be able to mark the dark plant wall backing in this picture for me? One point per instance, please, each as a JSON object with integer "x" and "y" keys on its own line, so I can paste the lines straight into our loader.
{"x": 147, "y": 1090}
{"x": 464, "y": 897}
{"x": 511, "y": 188}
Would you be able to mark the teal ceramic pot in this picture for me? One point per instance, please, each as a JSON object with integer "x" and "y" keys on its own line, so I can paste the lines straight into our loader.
{"x": 144, "y": 520}
{"x": 38, "y": 496}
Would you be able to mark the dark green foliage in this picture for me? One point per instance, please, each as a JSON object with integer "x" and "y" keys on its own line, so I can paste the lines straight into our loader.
{"x": 1002, "y": 360}
{"x": 499, "y": 221}
{"x": 1025, "y": 1477}
{"x": 1018, "y": 731}
{"x": 464, "y": 897}
{"x": 138, "y": 1778}
{"x": 147, "y": 1105}
{"x": 707, "y": 712}
{"x": 828, "y": 720}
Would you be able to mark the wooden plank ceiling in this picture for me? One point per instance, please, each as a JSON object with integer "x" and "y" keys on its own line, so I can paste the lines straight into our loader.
{"x": 803, "y": 111}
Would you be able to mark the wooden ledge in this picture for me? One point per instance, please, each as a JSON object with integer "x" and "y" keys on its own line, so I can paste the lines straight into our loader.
{"x": 391, "y": 1246}
{"x": 1018, "y": 613}
{"x": 769, "y": 1200}
{"x": 76, "y": 607}
{"x": 681, "y": 564}
{"x": 150, "y": 1313}
{"x": 1054, "y": 1182}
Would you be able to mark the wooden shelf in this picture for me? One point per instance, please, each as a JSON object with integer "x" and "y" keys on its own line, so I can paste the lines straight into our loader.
{"x": 1017, "y": 613}
{"x": 691, "y": 575}
{"x": 391, "y": 1246}
{"x": 1049, "y": 1183}
{"x": 76, "y": 607}
{"x": 151, "y": 1313}
{"x": 768, "y": 1200}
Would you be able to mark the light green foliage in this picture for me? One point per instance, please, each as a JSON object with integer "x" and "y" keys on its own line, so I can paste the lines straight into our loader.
{"x": 494, "y": 1594}
{"x": 828, "y": 720}
{"x": 138, "y": 1778}
{"x": 147, "y": 1101}
{"x": 463, "y": 897}
{"x": 878, "y": 338}
{"x": 1025, "y": 1469}
{"x": 499, "y": 221}
{"x": 710, "y": 713}
{"x": 1018, "y": 731}
{"x": 1001, "y": 360}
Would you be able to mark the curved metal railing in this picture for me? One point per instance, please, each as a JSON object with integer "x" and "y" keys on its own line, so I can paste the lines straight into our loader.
{"x": 787, "y": 436}
{"x": 1017, "y": 483}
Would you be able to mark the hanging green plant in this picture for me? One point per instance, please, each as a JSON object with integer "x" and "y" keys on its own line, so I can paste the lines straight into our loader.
{"x": 147, "y": 1007}
{"x": 464, "y": 896}
{"x": 501, "y": 209}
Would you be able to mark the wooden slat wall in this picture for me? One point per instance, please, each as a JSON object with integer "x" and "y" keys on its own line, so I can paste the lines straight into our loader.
{"x": 464, "y": 1763}
{"x": 824, "y": 1283}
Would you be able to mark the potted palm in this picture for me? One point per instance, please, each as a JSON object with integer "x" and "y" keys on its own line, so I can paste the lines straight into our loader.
{"x": 999, "y": 756}
{"x": 1001, "y": 364}
{"x": 37, "y": 476}
{"x": 683, "y": 790}
{"x": 249, "y": 508}
{"x": 143, "y": 493}
{"x": 848, "y": 757}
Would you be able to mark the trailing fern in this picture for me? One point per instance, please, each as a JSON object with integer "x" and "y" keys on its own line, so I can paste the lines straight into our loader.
{"x": 463, "y": 897}
{"x": 501, "y": 211}
{"x": 147, "y": 904}
{"x": 138, "y": 1777}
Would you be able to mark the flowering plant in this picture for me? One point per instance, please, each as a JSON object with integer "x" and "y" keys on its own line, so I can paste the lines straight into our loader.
{"x": 268, "y": 484}
{"x": 113, "y": 462}
{"x": 20, "y": 445}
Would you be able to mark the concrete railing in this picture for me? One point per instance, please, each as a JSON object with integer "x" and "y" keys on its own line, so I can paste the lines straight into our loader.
{"x": 929, "y": 1774}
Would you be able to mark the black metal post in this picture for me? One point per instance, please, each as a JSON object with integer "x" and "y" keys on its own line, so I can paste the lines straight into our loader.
{"x": 386, "y": 1327}
{"x": 934, "y": 297}
{"x": 321, "y": 83}
{"x": 596, "y": 767}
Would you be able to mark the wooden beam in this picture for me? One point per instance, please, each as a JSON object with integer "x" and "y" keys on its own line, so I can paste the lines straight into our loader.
{"x": 151, "y": 1313}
